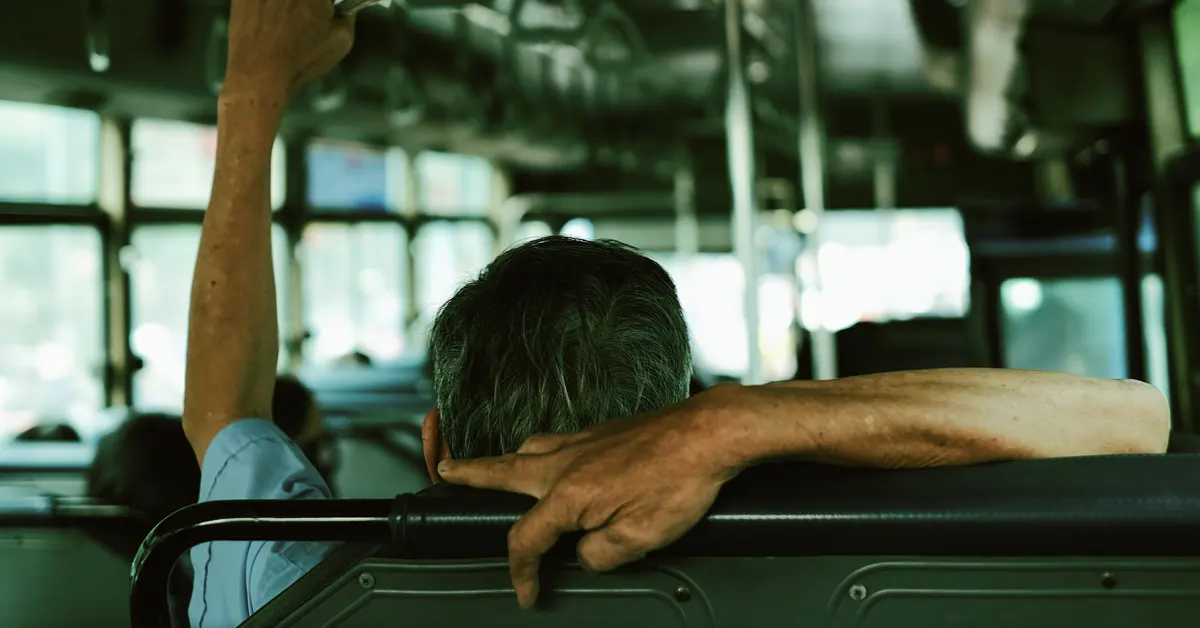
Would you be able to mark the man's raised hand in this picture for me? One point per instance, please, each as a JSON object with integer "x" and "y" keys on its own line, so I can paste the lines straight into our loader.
{"x": 278, "y": 46}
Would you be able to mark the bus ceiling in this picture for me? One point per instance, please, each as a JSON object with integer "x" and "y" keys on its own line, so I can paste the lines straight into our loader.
{"x": 550, "y": 85}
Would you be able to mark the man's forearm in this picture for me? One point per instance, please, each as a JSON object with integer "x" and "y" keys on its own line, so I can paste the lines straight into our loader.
{"x": 948, "y": 417}
{"x": 233, "y": 339}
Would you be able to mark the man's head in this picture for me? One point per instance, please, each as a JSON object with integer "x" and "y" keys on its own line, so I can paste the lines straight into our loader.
{"x": 554, "y": 336}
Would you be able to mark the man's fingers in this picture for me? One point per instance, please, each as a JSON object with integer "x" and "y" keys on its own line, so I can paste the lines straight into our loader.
{"x": 533, "y": 536}
{"x": 609, "y": 547}
{"x": 516, "y": 473}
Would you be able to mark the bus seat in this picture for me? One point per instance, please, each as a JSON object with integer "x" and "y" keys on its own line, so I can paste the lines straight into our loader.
{"x": 1102, "y": 541}
{"x": 53, "y": 571}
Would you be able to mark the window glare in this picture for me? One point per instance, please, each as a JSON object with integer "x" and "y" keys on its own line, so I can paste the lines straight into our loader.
{"x": 875, "y": 266}
{"x": 48, "y": 154}
{"x": 173, "y": 165}
{"x": 51, "y": 327}
{"x": 354, "y": 291}
{"x": 454, "y": 184}
{"x": 447, "y": 254}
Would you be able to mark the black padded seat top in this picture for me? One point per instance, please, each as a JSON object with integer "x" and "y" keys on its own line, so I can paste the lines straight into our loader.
{"x": 1073, "y": 506}
{"x": 1111, "y": 506}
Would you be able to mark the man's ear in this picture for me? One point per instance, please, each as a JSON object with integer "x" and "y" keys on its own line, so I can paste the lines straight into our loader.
{"x": 433, "y": 444}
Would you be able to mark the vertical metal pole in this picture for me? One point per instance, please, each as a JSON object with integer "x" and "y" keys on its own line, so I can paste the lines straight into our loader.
{"x": 812, "y": 165}
{"x": 1129, "y": 267}
{"x": 116, "y": 163}
{"x": 885, "y": 159}
{"x": 411, "y": 211}
{"x": 739, "y": 131}
{"x": 1168, "y": 134}
{"x": 687, "y": 227}
{"x": 291, "y": 285}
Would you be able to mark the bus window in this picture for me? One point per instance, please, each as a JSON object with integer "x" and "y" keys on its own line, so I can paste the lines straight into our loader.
{"x": 1067, "y": 325}
{"x": 51, "y": 335}
{"x": 351, "y": 177}
{"x": 355, "y": 277}
{"x": 48, "y": 154}
{"x": 160, "y": 278}
{"x": 447, "y": 255}
{"x": 173, "y": 165}
{"x": 454, "y": 184}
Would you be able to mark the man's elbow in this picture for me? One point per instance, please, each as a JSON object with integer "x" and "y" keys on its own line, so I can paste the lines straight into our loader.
{"x": 1145, "y": 424}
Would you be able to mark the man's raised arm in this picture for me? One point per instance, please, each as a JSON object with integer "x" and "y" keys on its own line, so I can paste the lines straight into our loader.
{"x": 275, "y": 47}
{"x": 635, "y": 485}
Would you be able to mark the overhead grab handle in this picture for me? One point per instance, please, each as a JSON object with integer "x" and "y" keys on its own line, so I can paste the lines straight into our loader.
{"x": 97, "y": 38}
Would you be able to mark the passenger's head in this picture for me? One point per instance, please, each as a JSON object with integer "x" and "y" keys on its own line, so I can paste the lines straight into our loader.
{"x": 146, "y": 464}
{"x": 554, "y": 336}
{"x": 297, "y": 414}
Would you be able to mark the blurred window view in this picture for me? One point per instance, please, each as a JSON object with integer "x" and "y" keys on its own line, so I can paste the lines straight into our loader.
{"x": 454, "y": 184}
{"x": 1068, "y": 325}
{"x": 532, "y": 230}
{"x": 711, "y": 290}
{"x": 880, "y": 266}
{"x": 51, "y": 326}
{"x": 160, "y": 274}
{"x": 1077, "y": 326}
{"x": 447, "y": 255}
{"x": 344, "y": 176}
{"x": 173, "y": 165}
{"x": 48, "y": 154}
{"x": 355, "y": 279}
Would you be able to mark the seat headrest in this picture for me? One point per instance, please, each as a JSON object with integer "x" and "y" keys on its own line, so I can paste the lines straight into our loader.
{"x": 1059, "y": 507}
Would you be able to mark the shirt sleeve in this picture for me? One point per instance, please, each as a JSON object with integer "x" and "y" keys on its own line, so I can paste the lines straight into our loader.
{"x": 251, "y": 459}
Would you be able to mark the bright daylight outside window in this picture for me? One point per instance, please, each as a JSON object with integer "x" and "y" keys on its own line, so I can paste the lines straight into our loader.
{"x": 51, "y": 317}
{"x": 163, "y": 260}
{"x": 454, "y": 184}
{"x": 879, "y": 266}
{"x": 173, "y": 164}
{"x": 448, "y": 254}
{"x": 48, "y": 154}
{"x": 51, "y": 327}
{"x": 354, "y": 286}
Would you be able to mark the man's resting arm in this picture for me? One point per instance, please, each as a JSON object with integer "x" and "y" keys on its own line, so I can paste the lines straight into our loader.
{"x": 947, "y": 417}
{"x": 635, "y": 485}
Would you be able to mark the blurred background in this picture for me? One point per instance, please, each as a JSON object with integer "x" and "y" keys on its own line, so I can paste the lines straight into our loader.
{"x": 837, "y": 187}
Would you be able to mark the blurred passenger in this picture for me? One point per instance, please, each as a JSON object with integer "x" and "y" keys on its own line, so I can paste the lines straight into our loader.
{"x": 147, "y": 465}
{"x": 543, "y": 359}
{"x": 49, "y": 433}
{"x": 299, "y": 417}
{"x": 354, "y": 358}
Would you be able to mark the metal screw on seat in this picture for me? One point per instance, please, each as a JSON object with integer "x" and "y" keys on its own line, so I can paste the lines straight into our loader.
{"x": 366, "y": 580}
{"x": 683, "y": 594}
{"x": 858, "y": 592}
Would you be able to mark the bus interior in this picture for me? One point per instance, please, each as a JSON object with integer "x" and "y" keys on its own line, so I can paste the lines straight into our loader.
{"x": 907, "y": 184}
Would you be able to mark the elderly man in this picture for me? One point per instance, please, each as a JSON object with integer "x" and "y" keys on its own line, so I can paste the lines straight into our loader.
{"x": 567, "y": 359}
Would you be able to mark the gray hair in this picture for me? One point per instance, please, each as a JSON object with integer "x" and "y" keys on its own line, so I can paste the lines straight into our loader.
{"x": 555, "y": 336}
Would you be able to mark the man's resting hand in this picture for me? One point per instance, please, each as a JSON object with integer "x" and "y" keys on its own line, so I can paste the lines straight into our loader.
{"x": 632, "y": 485}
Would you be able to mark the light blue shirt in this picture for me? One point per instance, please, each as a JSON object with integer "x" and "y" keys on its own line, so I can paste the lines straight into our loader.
{"x": 251, "y": 459}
